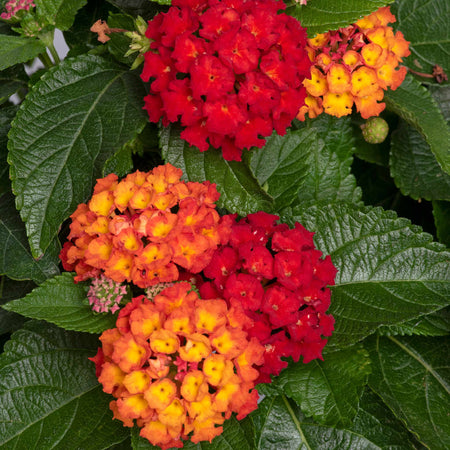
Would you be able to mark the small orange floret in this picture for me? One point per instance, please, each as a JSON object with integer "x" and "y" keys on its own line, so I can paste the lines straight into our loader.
{"x": 161, "y": 393}
{"x": 338, "y": 104}
{"x": 317, "y": 85}
{"x": 338, "y": 78}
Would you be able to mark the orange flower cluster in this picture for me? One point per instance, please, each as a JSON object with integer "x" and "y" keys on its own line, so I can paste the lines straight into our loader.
{"x": 142, "y": 228}
{"x": 354, "y": 65}
{"x": 178, "y": 367}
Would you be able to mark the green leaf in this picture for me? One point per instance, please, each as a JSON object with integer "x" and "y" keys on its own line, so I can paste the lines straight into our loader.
{"x": 328, "y": 179}
{"x": 237, "y": 435}
{"x": 75, "y": 118}
{"x": 17, "y": 49}
{"x": 9, "y": 290}
{"x": 280, "y": 425}
{"x": 318, "y": 389}
{"x": 441, "y": 213}
{"x": 60, "y": 13}
{"x": 119, "y": 44}
{"x": 11, "y": 80}
{"x": 414, "y": 103}
{"x": 239, "y": 190}
{"x": 319, "y": 16}
{"x": 16, "y": 260}
{"x": 414, "y": 168}
{"x": 281, "y": 164}
{"x": 389, "y": 271}
{"x": 50, "y": 396}
{"x": 411, "y": 375}
{"x": 376, "y": 422}
{"x": 434, "y": 324}
{"x": 425, "y": 26}
{"x": 62, "y": 302}
{"x": 7, "y": 114}
{"x": 310, "y": 165}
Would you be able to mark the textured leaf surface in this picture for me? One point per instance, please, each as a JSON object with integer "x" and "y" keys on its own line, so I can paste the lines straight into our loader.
{"x": 281, "y": 164}
{"x": 17, "y": 49}
{"x": 319, "y": 16}
{"x": 441, "y": 213}
{"x": 434, "y": 324}
{"x": 50, "y": 396}
{"x": 328, "y": 178}
{"x": 64, "y": 303}
{"x": 6, "y": 116}
{"x": 414, "y": 168}
{"x": 310, "y": 165}
{"x": 239, "y": 190}
{"x": 425, "y": 25}
{"x": 237, "y": 435}
{"x": 60, "y": 13}
{"x": 414, "y": 103}
{"x": 412, "y": 376}
{"x": 16, "y": 260}
{"x": 328, "y": 390}
{"x": 280, "y": 425}
{"x": 76, "y": 117}
{"x": 389, "y": 271}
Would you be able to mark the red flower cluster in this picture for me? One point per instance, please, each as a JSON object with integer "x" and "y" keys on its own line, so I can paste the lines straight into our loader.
{"x": 143, "y": 228}
{"x": 231, "y": 71}
{"x": 275, "y": 282}
{"x": 355, "y": 65}
{"x": 178, "y": 367}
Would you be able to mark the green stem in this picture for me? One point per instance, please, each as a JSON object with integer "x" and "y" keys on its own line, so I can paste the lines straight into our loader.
{"x": 45, "y": 59}
{"x": 54, "y": 53}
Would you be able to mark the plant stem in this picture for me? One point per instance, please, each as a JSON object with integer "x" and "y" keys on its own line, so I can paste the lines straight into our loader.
{"x": 54, "y": 54}
{"x": 45, "y": 59}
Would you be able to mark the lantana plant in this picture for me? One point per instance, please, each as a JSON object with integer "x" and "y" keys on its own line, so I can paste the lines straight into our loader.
{"x": 224, "y": 224}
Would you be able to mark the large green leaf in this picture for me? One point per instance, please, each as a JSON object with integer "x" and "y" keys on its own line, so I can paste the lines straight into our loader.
{"x": 441, "y": 213}
{"x": 412, "y": 376}
{"x": 389, "y": 271}
{"x": 310, "y": 165}
{"x": 60, "y": 13}
{"x": 135, "y": 8}
{"x": 327, "y": 390}
{"x": 17, "y": 49}
{"x": 281, "y": 164}
{"x": 75, "y": 118}
{"x": 49, "y": 394}
{"x": 434, "y": 324}
{"x": 414, "y": 168}
{"x": 62, "y": 302}
{"x": 239, "y": 190}
{"x": 328, "y": 179}
{"x": 425, "y": 24}
{"x": 16, "y": 260}
{"x": 414, "y": 103}
{"x": 319, "y": 16}
{"x": 237, "y": 435}
{"x": 280, "y": 425}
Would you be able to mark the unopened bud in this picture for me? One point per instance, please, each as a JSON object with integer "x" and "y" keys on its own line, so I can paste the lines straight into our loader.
{"x": 375, "y": 130}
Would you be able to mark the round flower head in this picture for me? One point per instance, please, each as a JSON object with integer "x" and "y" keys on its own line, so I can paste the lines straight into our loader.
{"x": 177, "y": 367}
{"x": 229, "y": 71}
{"x": 143, "y": 228}
{"x": 105, "y": 294}
{"x": 15, "y": 8}
{"x": 354, "y": 65}
{"x": 275, "y": 282}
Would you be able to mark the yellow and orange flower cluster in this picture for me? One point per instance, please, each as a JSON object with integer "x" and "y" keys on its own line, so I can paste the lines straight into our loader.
{"x": 354, "y": 65}
{"x": 179, "y": 366}
{"x": 143, "y": 228}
